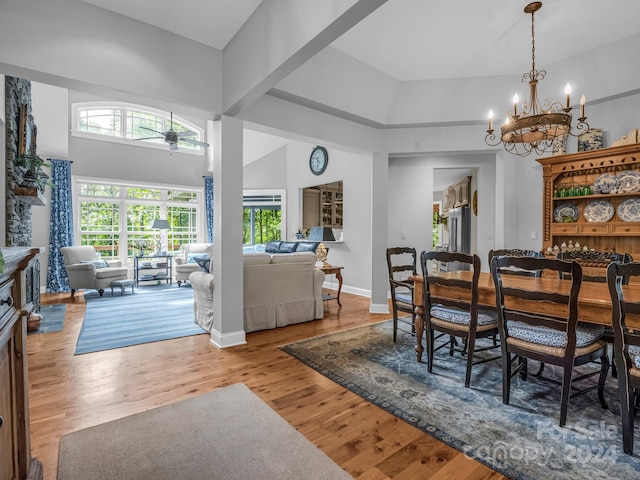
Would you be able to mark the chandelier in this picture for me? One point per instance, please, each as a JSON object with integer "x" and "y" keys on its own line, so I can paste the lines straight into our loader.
{"x": 536, "y": 128}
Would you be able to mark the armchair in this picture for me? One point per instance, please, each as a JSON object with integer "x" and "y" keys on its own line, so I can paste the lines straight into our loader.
{"x": 186, "y": 264}
{"x": 86, "y": 270}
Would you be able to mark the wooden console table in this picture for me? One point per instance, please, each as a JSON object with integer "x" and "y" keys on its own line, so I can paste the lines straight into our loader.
{"x": 15, "y": 444}
{"x": 337, "y": 271}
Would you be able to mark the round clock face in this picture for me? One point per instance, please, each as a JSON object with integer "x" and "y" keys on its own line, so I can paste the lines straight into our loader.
{"x": 318, "y": 160}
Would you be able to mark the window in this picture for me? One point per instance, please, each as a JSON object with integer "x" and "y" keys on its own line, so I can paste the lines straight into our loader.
{"x": 128, "y": 123}
{"x": 262, "y": 219}
{"x": 116, "y": 219}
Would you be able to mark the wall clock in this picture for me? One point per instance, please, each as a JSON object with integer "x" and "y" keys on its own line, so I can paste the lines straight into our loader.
{"x": 318, "y": 160}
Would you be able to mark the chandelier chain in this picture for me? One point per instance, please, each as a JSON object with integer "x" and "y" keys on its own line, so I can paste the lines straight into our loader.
{"x": 533, "y": 44}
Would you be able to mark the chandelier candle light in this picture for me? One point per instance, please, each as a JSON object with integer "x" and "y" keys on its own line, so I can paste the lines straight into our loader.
{"x": 534, "y": 128}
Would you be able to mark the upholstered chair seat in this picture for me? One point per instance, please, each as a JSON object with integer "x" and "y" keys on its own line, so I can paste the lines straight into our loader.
{"x": 486, "y": 316}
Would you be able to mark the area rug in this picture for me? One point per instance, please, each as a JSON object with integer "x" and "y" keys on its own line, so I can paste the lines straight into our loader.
{"x": 229, "y": 433}
{"x": 521, "y": 440}
{"x": 52, "y": 318}
{"x": 150, "y": 314}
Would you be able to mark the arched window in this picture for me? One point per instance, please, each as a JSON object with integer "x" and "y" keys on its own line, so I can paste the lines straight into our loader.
{"x": 128, "y": 123}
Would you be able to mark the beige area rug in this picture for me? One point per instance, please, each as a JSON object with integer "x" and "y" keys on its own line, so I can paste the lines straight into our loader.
{"x": 229, "y": 433}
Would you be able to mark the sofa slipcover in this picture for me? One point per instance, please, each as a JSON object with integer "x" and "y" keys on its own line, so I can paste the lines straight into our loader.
{"x": 279, "y": 290}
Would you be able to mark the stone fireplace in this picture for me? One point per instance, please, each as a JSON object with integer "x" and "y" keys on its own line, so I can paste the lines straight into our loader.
{"x": 18, "y": 211}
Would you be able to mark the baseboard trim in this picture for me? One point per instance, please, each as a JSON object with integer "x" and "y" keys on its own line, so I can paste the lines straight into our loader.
{"x": 379, "y": 308}
{"x": 225, "y": 340}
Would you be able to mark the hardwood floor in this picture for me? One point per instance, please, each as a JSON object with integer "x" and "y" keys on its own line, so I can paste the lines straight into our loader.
{"x": 68, "y": 393}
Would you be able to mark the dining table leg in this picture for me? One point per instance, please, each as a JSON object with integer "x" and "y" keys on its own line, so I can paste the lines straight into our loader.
{"x": 419, "y": 321}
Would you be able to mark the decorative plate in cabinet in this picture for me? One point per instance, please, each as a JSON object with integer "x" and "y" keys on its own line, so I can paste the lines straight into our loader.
{"x": 629, "y": 210}
{"x": 605, "y": 183}
{"x": 629, "y": 181}
{"x": 566, "y": 213}
{"x": 598, "y": 211}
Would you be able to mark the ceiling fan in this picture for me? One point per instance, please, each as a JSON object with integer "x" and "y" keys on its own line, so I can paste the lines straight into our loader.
{"x": 172, "y": 137}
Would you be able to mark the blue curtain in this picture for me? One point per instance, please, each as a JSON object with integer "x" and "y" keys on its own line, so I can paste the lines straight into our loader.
{"x": 208, "y": 201}
{"x": 61, "y": 225}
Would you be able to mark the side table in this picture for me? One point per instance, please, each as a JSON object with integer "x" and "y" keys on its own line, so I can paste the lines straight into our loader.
{"x": 337, "y": 271}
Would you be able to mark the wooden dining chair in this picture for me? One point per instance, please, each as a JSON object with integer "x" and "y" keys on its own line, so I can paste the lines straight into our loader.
{"x": 626, "y": 347}
{"x": 516, "y": 252}
{"x": 550, "y": 339}
{"x": 401, "y": 263}
{"x": 597, "y": 262}
{"x": 456, "y": 318}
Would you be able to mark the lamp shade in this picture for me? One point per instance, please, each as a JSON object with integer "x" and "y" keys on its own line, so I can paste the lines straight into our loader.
{"x": 161, "y": 224}
{"x": 321, "y": 234}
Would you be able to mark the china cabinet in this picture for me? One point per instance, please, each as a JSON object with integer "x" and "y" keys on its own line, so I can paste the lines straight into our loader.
{"x": 323, "y": 206}
{"x": 331, "y": 207}
{"x": 593, "y": 198}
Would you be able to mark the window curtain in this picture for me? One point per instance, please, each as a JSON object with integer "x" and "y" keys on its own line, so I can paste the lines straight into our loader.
{"x": 61, "y": 225}
{"x": 208, "y": 200}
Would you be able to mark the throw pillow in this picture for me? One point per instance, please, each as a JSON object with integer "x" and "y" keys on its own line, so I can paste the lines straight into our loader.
{"x": 307, "y": 247}
{"x": 288, "y": 247}
{"x": 192, "y": 257}
{"x": 204, "y": 264}
{"x": 272, "y": 247}
{"x": 98, "y": 263}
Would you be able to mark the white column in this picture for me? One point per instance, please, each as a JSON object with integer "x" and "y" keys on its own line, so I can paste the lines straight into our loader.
{"x": 379, "y": 232}
{"x": 228, "y": 324}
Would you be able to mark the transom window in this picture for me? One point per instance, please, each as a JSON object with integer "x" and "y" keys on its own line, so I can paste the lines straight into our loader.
{"x": 116, "y": 219}
{"x": 128, "y": 123}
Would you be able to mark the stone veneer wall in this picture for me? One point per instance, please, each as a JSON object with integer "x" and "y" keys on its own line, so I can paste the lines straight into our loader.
{"x": 18, "y": 214}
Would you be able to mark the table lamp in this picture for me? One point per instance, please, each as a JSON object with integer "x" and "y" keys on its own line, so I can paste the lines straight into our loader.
{"x": 160, "y": 225}
{"x": 320, "y": 234}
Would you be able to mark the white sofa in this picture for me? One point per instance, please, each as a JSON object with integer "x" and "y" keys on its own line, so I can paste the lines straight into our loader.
{"x": 186, "y": 264}
{"x": 279, "y": 290}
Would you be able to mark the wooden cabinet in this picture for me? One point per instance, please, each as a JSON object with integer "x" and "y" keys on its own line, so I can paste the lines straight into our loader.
{"x": 8, "y": 452}
{"x": 15, "y": 446}
{"x": 458, "y": 194}
{"x": 331, "y": 205}
{"x": 322, "y": 205}
{"x": 310, "y": 207}
{"x": 566, "y": 182}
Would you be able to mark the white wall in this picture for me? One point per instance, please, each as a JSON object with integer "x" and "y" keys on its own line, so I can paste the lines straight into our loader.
{"x": 270, "y": 170}
{"x": 411, "y": 199}
{"x": 354, "y": 253}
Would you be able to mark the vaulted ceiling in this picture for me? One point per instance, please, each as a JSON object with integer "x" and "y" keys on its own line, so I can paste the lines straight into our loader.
{"x": 417, "y": 57}
{"x": 422, "y": 62}
{"x": 421, "y": 39}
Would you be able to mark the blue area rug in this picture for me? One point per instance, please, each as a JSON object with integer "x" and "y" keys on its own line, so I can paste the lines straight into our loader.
{"x": 521, "y": 440}
{"x": 52, "y": 318}
{"x": 151, "y": 314}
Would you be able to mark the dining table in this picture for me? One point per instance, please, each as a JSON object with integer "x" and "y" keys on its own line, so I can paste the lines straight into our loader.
{"x": 594, "y": 300}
